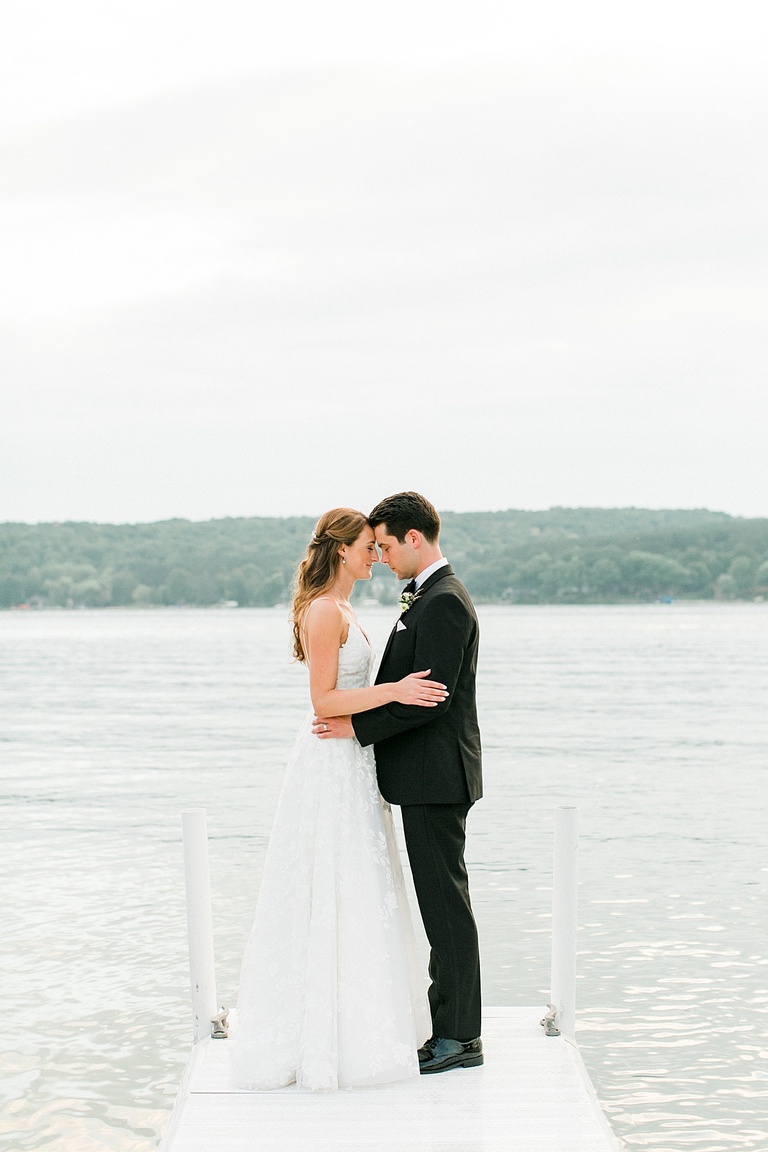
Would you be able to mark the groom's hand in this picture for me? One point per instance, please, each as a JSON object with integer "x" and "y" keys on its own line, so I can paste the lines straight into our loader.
{"x": 334, "y": 728}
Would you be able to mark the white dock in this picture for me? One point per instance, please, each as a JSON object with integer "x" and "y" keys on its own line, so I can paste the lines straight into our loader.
{"x": 531, "y": 1095}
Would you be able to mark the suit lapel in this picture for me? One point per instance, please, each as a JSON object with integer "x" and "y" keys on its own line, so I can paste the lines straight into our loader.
{"x": 446, "y": 570}
{"x": 389, "y": 643}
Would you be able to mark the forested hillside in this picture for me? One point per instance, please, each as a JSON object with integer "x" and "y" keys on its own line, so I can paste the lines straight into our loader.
{"x": 563, "y": 555}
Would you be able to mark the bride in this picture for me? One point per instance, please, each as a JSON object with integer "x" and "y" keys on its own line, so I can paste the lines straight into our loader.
{"x": 330, "y": 992}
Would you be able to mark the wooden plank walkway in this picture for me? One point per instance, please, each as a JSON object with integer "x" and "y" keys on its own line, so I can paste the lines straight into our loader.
{"x": 533, "y": 1094}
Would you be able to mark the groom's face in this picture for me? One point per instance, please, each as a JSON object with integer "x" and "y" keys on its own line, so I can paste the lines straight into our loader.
{"x": 400, "y": 556}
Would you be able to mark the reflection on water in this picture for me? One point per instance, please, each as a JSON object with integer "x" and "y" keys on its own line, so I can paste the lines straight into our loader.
{"x": 650, "y": 719}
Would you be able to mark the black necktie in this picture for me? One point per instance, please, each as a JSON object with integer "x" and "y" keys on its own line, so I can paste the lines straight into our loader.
{"x": 410, "y": 587}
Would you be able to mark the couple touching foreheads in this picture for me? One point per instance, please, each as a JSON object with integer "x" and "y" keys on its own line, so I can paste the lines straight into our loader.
{"x": 331, "y": 995}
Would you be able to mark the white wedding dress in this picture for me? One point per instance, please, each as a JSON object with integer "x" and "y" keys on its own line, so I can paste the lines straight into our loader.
{"x": 330, "y": 991}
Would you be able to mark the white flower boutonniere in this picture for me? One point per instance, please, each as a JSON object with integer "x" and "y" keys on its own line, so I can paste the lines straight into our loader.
{"x": 407, "y": 600}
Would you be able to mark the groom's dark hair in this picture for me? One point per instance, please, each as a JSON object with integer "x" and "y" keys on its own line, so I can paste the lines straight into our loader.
{"x": 406, "y": 510}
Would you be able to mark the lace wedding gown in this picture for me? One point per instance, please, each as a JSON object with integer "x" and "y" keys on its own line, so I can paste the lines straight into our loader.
{"x": 330, "y": 992}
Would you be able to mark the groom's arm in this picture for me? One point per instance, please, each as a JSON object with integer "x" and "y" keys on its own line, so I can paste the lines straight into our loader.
{"x": 442, "y": 635}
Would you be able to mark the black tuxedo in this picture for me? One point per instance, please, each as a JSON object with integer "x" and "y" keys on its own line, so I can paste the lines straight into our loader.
{"x": 430, "y": 755}
{"x": 428, "y": 761}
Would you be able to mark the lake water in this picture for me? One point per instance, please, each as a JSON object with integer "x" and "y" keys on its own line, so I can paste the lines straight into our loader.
{"x": 651, "y": 719}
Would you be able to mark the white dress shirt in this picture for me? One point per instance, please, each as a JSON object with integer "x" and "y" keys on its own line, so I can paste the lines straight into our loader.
{"x": 422, "y": 576}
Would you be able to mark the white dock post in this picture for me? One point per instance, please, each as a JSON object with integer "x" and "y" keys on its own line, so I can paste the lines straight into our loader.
{"x": 202, "y": 975}
{"x": 564, "y": 919}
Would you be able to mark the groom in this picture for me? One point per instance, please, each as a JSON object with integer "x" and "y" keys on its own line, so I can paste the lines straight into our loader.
{"x": 428, "y": 762}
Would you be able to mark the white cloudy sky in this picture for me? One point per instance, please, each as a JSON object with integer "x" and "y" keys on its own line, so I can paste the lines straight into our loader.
{"x": 259, "y": 261}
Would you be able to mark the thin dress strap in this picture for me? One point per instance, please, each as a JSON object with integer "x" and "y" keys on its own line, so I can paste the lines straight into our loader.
{"x": 344, "y": 617}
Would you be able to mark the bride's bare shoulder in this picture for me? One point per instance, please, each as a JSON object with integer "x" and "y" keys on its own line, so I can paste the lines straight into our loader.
{"x": 323, "y": 611}
{"x": 324, "y": 624}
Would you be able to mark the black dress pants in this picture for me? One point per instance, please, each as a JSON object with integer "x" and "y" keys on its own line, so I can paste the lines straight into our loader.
{"x": 434, "y": 838}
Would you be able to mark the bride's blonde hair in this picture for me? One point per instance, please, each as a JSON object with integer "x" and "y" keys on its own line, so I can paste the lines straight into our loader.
{"x": 317, "y": 571}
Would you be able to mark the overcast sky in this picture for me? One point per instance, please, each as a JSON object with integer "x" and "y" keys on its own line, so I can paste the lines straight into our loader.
{"x": 262, "y": 261}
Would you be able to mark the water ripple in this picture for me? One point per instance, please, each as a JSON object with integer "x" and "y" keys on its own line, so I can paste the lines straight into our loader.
{"x": 651, "y": 720}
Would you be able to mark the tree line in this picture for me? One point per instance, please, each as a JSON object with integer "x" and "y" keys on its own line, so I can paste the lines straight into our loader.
{"x": 562, "y": 555}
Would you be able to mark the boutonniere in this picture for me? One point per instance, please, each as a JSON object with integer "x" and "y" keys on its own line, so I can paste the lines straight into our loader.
{"x": 407, "y": 600}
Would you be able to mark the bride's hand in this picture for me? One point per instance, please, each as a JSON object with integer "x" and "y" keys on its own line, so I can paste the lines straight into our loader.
{"x": 415, "y": 689}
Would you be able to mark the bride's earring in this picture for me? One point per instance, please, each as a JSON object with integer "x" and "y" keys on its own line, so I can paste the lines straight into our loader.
{"x": 343, "y": 559}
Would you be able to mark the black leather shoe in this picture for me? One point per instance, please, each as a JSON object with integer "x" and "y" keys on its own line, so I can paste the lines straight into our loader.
{"x": 439, "y": 1054}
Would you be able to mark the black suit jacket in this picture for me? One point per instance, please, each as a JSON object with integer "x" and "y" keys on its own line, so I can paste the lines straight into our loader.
{"x": 430, "y": 755}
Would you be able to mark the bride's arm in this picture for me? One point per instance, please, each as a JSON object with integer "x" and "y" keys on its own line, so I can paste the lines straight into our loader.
{"x": 324, "y": 630}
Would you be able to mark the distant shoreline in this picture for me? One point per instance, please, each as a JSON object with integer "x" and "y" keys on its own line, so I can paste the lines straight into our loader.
{"x": 388, "y": 608}
{"x": 560, "y": 556}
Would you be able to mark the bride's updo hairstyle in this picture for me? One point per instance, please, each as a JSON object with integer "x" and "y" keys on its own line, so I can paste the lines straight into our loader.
{"x": 317, "y": 571}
